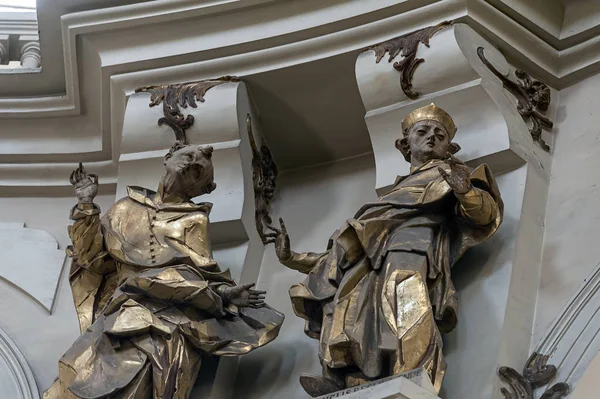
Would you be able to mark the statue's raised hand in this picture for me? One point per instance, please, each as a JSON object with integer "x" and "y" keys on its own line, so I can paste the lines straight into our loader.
{"x": 281, "y": 239}
{"x": 86, "y": 185}
{"x": 459, "y": 178}
{"x": 243, "y": 296}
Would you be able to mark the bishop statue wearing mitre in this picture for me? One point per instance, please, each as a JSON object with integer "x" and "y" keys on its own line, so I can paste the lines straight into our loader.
{"x": 380, "y": 296}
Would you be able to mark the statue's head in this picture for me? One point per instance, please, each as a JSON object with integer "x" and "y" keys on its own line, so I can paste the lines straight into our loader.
{"x": 427, "y": 134}
{"x": 189, "y": 170}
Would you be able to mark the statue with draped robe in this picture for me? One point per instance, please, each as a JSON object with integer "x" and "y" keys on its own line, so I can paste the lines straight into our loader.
{"x": 380, "y": 296}
{"x": 150, "y": 298}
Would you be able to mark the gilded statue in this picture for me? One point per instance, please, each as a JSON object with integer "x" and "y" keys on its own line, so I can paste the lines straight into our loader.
{"x": 380, "y": 296}
{"x": 150, "y": 298}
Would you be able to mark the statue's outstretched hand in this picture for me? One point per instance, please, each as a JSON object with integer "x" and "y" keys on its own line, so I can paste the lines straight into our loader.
{"x": 86, "y": 185}
{"x": 243, "y": 296}
{"x": 459, "y": 178}
{"x": 281, "y": 239}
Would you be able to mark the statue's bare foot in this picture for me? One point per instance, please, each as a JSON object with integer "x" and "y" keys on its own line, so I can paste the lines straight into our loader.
{"x": 317, "y": 385}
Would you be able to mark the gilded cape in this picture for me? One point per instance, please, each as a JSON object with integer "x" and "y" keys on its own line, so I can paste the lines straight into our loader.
{"x": 380, "y": 295}
{"x": 145, "y": 288}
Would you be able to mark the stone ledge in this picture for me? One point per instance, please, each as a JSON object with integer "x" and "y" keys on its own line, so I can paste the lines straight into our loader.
{"x": 414, "y": 384}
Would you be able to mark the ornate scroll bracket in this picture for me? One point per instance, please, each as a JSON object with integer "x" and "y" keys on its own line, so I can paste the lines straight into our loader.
{"x": 264, "y": 177}
{"x": 535, "y": 374}
{"x": 533, "y": 98}
{"x": 181, "y": 95}
{"x": 407, "y": 44}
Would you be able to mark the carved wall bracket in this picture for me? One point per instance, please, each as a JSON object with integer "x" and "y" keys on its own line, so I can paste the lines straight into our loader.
{"x": 407, "y": 46}
{"x": 533, "y": 98}
{"x": 181, "y": 95}
{"x": 264, "y": 177}
{"x": 535, "y": 374}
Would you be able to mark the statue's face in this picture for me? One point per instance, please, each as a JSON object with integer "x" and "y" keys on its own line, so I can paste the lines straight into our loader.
{"x": 428, "y": 140}
{"x": 189, "y": 171}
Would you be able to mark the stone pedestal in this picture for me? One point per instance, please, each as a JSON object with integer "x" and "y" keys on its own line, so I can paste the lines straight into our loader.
{"x": 414, "y": 384}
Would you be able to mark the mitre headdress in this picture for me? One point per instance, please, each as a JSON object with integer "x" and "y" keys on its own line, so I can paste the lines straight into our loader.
{"x": 430, "y": 112}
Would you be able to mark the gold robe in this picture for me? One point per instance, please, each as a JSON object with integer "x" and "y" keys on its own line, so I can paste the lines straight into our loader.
{"x": 145, "y": 288}
{"x": 381, "y": 294}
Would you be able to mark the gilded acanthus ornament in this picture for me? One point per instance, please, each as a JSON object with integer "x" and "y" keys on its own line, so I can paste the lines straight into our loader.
{"x": 407, "y": 46}
{"x": 536, "y": 373}
{"x": 181, "y": 95}
{"x": 150, "y": 298}
{"x": 533, "y": 98}
{"x": 264, "y": 178}
{"x": 380, "y": 296}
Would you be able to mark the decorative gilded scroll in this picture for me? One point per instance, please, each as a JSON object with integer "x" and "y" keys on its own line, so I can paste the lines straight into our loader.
{"x": 533, "y": 98}
{"x": 181, "y": 95}
{"x": 407, "y": 44}
{"x": 535, "y": 374}
{"x": 264, "y": 176}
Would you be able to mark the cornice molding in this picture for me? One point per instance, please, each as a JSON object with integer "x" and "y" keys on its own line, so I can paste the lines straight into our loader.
{"x": 144, "y": 14}
{"x": 275, "y": 44}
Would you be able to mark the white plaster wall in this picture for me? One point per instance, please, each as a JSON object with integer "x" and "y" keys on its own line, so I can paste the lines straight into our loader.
{"x": 571, "y": 249}
{"x": 313, "y": 203}
{"x": 580, "y": 15}
{"x": 42, "y": 337}
{"x": 587, "y": 387}
{"x": 482, "y": 280}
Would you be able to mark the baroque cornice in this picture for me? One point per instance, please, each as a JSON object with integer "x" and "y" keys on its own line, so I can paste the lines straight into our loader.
{"x": 148, "y": 13}
{"x": 114, "y": 74}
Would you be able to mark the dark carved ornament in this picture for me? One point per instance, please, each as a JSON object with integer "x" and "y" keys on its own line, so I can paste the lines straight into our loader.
{"x": 181, "y": 95}
{"x": 407, "y": 46}
{"x": 264, "y": 177}
{"x": 535, "y": 374}
{"x": 533, "y": 98}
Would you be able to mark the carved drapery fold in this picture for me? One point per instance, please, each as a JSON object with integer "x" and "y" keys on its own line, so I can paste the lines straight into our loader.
{"x": 407, "y": 46}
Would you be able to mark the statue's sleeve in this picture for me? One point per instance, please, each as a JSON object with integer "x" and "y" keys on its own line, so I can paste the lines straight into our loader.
{"x": 482, "y": 205}
{"x": 477, "y": 206}
{"x": 303, "y": 262}
{"x": 90, "y": 270}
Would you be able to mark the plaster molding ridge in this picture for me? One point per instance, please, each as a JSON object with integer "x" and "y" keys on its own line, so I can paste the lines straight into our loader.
{"x": 18, "y": 366}
{"x": 160, "y": 154}
{"x": 39, "y": 107}
{"x": 425, "y": 97}
{"x": 152, "y": 12}
{"x": 51, "y": 175}
{"x": 556, "y": 41}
